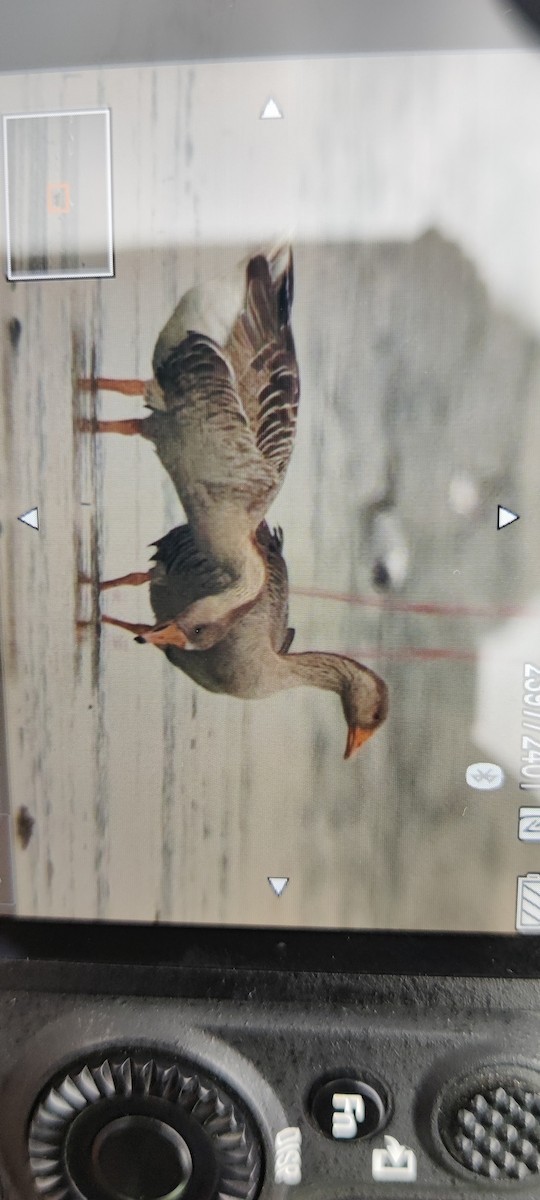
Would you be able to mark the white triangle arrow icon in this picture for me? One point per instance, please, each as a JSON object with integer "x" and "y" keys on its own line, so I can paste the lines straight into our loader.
{"x": 271, "y": 111}
{"x": 395, "y": 1151}
{"x": 505, "y": 516}
{"x": 30, "y": 518}
{"x": 278, "y": 884}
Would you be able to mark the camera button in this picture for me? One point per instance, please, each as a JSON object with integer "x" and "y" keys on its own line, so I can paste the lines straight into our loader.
{"x": 348, "y": 1108}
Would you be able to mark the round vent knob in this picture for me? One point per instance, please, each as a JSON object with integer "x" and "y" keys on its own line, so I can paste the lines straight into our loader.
{"x": 495, "y": 1131}
{"x": 141, "y": 1129}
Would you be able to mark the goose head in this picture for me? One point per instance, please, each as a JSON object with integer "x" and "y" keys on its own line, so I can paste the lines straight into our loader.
{"x": 364, "y": 698}
{"x": 363, "y": 694}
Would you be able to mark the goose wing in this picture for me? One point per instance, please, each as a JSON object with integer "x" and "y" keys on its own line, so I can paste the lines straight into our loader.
{"x": 277, "y": 588}
{"x": 205, "y": 440}
{"x": 262, "y": 354}
{"x": 182, "y": 574}
{"x": 224, "y": 414}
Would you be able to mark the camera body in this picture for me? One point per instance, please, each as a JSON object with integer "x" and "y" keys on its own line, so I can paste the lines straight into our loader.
{"x": 300, "y": 1054}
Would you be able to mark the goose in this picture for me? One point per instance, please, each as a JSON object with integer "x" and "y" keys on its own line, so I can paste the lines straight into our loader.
{"x": 224, "y": 402}
{"x": 252, "y": 660}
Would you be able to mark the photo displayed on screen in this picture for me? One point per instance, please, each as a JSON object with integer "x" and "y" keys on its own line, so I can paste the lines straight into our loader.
{"x": 270, "y": 586}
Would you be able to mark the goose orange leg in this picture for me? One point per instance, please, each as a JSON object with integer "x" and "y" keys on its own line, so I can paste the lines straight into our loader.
{"x": 129, "y": 428}
{"x": 134, "y": 579}
{"x": 128, "y": 387}
{"x": 139, "y": 630}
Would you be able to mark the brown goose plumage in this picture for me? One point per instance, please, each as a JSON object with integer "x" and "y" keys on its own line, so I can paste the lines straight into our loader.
{"x": 252, "y": 661}
{"x": 224, "y": 402}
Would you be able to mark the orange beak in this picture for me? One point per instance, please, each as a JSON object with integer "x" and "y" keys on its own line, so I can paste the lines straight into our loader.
{"x": 167, "y": 634}
{"x": 356, "y": 738}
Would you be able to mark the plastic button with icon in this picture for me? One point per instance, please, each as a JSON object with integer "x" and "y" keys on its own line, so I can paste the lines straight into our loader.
{"x": 348, "y": 1108}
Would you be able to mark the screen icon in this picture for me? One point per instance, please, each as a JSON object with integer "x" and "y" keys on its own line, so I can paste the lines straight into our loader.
{"x": 278, "y": 883}
{"x": 30, "y": 518}
{"x": 58, "y": 197}
{"x": 528, "y": 903}
{"x": 271, "y": 112}
{"x": 396, "y": 1163}
{"x": 58, "y": 194}
{"x": 485, "y": 777}
{"x": 505, "y": 516}
{"x": 529, "y": 825}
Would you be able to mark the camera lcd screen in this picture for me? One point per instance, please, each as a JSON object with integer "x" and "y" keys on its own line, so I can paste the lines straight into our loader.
{"x": 313, "y": 497}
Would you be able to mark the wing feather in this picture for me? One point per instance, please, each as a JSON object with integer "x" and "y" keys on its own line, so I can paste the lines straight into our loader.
{"x": 182, "y": 575}
{"x": 262, "y": 354}
{"x": 203, "y": 437}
